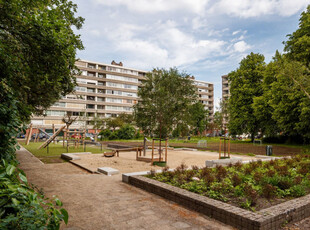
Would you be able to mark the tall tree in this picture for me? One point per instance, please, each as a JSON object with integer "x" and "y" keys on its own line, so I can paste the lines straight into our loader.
{"x": 245, "y": 84}
{"x": 199, "y": 117}
{"x": 37, "y": 58}
{"x": 166, "y": 98}
{"x": 38, "y": 48}
{"x": 298, "y": 44}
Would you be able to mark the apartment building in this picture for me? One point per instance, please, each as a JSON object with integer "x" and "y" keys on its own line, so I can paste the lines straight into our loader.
{"x": 225, "y": 96}
{"x": 105, "y": 90}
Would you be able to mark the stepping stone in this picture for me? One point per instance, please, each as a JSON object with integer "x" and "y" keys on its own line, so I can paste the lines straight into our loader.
{"x": 108, "y": 171}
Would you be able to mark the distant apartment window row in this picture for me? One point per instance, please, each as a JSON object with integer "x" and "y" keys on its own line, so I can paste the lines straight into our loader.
{"x": 55, "y": 113}
{"x": 121, "y": 93}
{"x": 75, "y": 97}
{"x": 80, "y": 89}
{"x": 201, "y": 84}
{"x": 120, "y": 78}
{"x": 202, "y": 90}
{"x": 118, "y": 108}
{"x": 118, "y": 100}
{"x": 60, "y": 104}
{"x": 112, "y": 69}
{"x": 124, "y": 86}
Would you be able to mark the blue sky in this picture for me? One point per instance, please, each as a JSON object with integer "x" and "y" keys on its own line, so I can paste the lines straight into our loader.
{"x": 205, "y": 38}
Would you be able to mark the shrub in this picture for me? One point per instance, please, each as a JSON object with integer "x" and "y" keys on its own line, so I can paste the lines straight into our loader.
{"x": 126, "y": 132}
{"x": 298, "y": 190}
{"x": 22, "y": 207}
{"x": 106, "y": 133}
{"x": 269, "y": 191}
{"x": 114, "y": 135}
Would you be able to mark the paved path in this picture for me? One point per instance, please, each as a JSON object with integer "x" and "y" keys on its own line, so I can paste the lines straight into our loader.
{"x": 102, "y": 202}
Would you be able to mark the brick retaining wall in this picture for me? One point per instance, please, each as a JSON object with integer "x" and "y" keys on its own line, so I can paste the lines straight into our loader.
{"x": 266, "y": 219}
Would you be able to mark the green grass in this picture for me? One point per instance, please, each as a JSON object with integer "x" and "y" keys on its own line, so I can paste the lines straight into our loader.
{"x": 195, "y": 140}
{"x": 55, "y": 151}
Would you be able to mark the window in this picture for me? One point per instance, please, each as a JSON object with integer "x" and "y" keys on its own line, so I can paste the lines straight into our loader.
{"x": 100, "y": 98}
{"x": 90, "y": 98}
{"x": 101, "y": 67}
{"x": 88, "y": 106}
{"x": 101, "y": 91}
{"x": 100, "y": 75}
{"x": 114, "y": 100}
{"x": 60, "y": 104}
{"x": 55, "y": 113}
{"x": 91, "y": 74}
{"x": 118, "y": 108}
{"x": 91, "y": 90}
{"x": 75, "y": 114}
{"x": 100, "y": 106}
{"x": 100, "y": 83}
{"x": 116, "y": 92}
{"x": 84, "y": 73}
{"x": 91, "y": 66}
{"x": 82, "y": 81}
{"x": 81, "y": 89}
{"x": 120, "y": 78}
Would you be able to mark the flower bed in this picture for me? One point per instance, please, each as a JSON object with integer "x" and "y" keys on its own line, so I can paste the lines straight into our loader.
{"x": 254, "y": 186}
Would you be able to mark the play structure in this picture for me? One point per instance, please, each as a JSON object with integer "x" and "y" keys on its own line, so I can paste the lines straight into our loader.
{"x": 226, "y": 149}
{"x": 159, "y": 154}
{"x": 74, "y": 138}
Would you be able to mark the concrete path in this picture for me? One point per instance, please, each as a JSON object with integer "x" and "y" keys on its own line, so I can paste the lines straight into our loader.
{"x": 102, "y": 202}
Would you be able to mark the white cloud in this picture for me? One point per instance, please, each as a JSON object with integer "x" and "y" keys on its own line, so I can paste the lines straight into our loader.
{"x": 241, "y": 46}
{"x": 155, "y": 6}
{"x": 256, "y": 8}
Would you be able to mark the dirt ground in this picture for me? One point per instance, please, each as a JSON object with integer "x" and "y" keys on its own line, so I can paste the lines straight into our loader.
{"x": 126, "y": 162}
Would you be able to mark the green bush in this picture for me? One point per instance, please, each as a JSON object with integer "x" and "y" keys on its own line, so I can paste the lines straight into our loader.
{"x": 126, "y": 132}
{"x": 21, "y": 207}
{"x": 105, "y": 134}
{"x": 114, "y": 135}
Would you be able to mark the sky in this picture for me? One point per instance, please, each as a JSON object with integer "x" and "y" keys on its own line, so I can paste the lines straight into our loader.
{"x": 204, "y": 38}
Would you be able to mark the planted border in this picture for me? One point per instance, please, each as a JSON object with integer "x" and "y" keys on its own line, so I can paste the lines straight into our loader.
{"x": 269, "y": 218}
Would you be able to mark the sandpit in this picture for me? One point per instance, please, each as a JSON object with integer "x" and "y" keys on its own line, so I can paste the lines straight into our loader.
{"x": 127, "y": 163}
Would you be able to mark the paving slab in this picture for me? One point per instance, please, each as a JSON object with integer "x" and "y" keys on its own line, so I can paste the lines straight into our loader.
{"x": 108, "y": 171}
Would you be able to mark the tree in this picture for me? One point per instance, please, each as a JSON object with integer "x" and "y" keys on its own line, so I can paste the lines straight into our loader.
{"x": 245, "y": 84}
{"x": 126, "y": 118}
{"x": 113, "y": 123}
{"x": 298, "y": 44}
{"x": 166, "y": 98}
{"x": 38, "y": 48}
{"x": 218, "y": 120}
{"x": 199, "y": 117}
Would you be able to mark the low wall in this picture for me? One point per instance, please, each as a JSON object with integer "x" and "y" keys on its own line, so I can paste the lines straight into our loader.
{"x": 266, "y": 219}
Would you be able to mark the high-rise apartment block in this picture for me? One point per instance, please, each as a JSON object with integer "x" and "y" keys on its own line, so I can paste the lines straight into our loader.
{"x": 106, "y": 90}
{"x": 225, "y": 87}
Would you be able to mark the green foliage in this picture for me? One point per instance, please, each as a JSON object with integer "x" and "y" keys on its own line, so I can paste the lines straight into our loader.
{"x": 106, "y": 133}
{"x": 166, "y": 98}
{"x": 245, "y": 84}
{"x": 126, "y": 132}
{"x": 298, "y": 44}
{"x": 10, "y": 122}
{"x": 21, "y": 207}
{"x": 244, "y": 185}
{"x": 199, "y": 117}
{"x": 38, "y": 48}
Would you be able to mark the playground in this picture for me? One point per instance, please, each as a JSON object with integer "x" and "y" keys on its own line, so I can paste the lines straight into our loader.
{"x": 126, "y": 162}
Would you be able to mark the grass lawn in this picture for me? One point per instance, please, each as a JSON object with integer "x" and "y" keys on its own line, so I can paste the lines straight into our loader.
{"x": 55, "y": 151}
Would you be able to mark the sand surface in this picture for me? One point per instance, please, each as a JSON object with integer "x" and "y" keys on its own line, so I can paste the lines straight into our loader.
{"x": 126, "y": 162}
